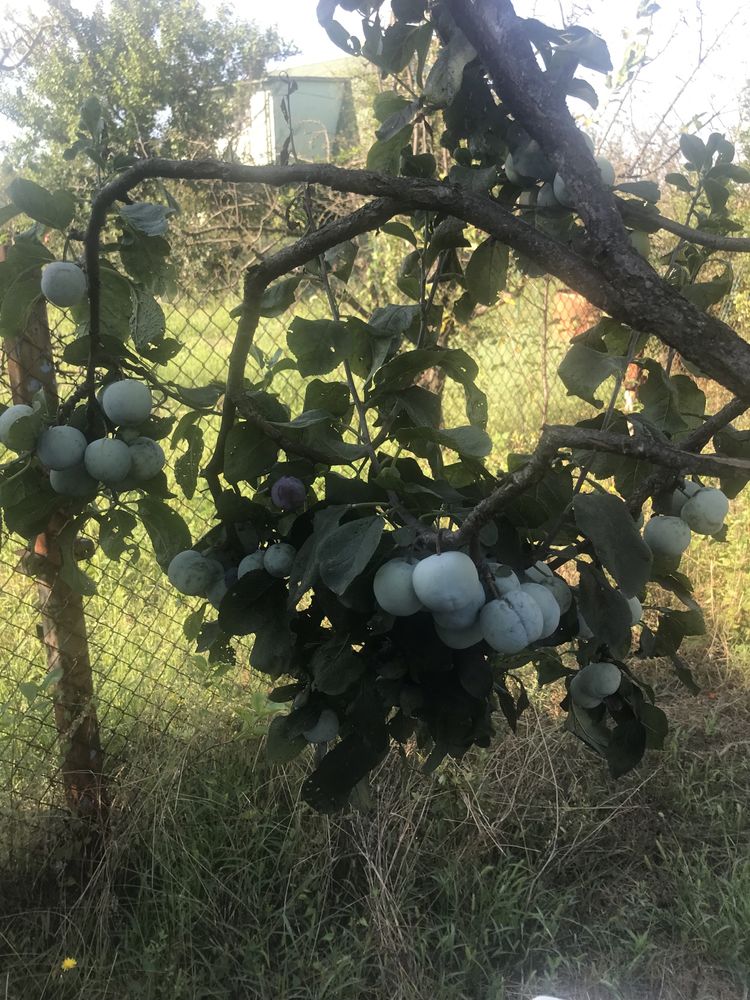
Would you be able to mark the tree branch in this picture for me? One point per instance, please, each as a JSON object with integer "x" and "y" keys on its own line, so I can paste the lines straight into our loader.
{"x": 633, "y": 214}
{"x": 257, "y": 279}
{"x": 555, "y": 437}
{"x": 695, "y": 441}
{"x": 633, "y": 294}
{"x": 533, "y": 98}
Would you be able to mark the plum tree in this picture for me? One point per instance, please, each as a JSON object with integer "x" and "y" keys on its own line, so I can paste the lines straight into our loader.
{"x": 9, "y": 417}
{"x": 108, "y": 460}
{"x": 667, "y": 536}
{"x": 250, "y": 563}
{"x": 146, "y": 458}
{"x": 278, "y": 559}
{"x": 595, "y": 682}
{"x": 358, "y": 497}
{"x": 511, "y": 623}
{"x": 127, "y": 402}
{"x": 73, "y": 482}
{"x": 705, "y": 511}
{"x": 63, "y": 283}
{"x": 288, "y": 493}
{"x": 445, "y": 582}
{"x": 393, "y": 587}
{"x": 466, "y": 615}
{"x": 192, "y": 574}
{"x": 61, "y": 447}
{"x": 548, "y": 605}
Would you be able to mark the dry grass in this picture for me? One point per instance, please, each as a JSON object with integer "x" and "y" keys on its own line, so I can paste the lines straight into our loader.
{"x": 523, "y": 869}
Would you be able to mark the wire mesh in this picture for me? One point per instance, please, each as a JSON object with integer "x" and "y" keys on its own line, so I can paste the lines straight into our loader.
{"x": 147, "y": 678}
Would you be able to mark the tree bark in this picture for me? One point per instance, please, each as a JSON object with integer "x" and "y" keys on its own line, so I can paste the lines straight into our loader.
{"x": 63, "y": 633}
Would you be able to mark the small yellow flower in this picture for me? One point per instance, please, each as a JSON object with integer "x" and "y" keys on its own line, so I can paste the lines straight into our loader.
{"x": 68, "y": 963}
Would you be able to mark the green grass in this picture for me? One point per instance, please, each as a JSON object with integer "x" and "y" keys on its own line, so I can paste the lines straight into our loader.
{"x": 525, "y": 869}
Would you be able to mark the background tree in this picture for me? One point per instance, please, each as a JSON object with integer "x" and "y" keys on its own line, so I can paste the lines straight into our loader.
{"x": 164, "y": 71}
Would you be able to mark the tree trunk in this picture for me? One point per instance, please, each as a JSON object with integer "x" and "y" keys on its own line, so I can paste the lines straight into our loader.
{"x": 63, "y": 631}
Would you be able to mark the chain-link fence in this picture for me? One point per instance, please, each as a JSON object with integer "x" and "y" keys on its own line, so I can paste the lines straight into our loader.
{"x": 146, "y": 678}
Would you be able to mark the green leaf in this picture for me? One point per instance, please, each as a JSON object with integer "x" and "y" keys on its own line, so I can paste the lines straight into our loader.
{"x": 487, "y": 271}
{"x": 187, "y": 466}
{"x": 345, "y": 552}
{"x": 147, "y": 321}
{"x": 200, "y": 397}
{"x": 278, "y": 297}
{"x": 18, "y": 303}
{"x": 166, "y": 529}
{"x": 281, "y": 746}
{"x": 319, "y": 345}
{"x": 674, "y": 626}
{"x": 32, "y": 514}
{"x": 679, "y": 181}
{"x": 117, "y": 303}
{"x": 329, "y": 786}
{"x": 25, "y": 431}
{"x": 400, "y": 230}
{"x": 583, "y": 90}
{"x": 336, "y": 666}
{"x": 606, "y": 611}
{"x": 398, "y": 121}
{"x": 472, "y": 441}
{"x": 693, "y": 149}
{"x": 655, "y": 723}
{"x": 307, "y": 561}
{"x": 583, "y": 370}
{"x": 8, "y": 212}
{"x": 408, "y": 10}
{"x": 627, "y": 744}
{"x": 606, "y": 521}
{"x": 647, "y": 190}
{"x": 588, "y": 49}
{"x": 384, "y": 157}
{"x": 662, "y": 402}
{"x": 399, "y": 373}
{"x": 248, "y": 454}
{"x": 272, "y": 648}
{"x": 333, "y": 397}
{"x": 115, "y": 528}
{"x": 78, "y": 581}
{"x": 550, "y": 668}
{"x": 146, "y": 217}
{"x": 55, "y": 210}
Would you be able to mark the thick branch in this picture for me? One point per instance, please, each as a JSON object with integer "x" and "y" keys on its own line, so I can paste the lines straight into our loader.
{"x": 557, "y": 437}
{"x": 641, "y": 300}
{"x": 538, "y": 102}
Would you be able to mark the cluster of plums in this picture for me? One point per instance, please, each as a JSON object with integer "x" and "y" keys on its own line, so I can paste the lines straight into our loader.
{"x": 530, "y": 167}
{"x": 515, "y": 616}
{"x": 210, "y": 573}
{"x": 77, "y": 466}
{"x": 201, "y": 574}
{"x": 690, "y": 508}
